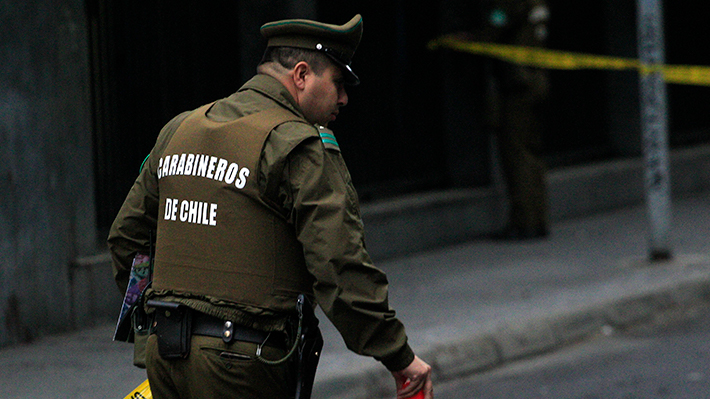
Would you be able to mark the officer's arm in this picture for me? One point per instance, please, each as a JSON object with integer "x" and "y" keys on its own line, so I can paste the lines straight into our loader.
{"x": 349, "y": 288}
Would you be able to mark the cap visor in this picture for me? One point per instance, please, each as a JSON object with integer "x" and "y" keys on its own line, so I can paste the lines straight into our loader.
{"x": 350, "y": 77}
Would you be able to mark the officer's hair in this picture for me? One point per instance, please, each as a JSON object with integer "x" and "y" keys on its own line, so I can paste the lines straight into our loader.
{"x": 288, "y": 57}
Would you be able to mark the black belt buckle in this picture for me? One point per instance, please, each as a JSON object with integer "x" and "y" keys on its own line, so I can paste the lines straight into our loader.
{"x": 173, "y": 327}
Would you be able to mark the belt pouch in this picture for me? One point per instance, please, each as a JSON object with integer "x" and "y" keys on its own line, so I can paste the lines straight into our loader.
{"x": 173, "y": 327}
{"x": 141, "y": 328}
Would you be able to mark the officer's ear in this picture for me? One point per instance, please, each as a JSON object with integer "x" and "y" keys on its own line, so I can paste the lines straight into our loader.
{"x": 300, "y": 73}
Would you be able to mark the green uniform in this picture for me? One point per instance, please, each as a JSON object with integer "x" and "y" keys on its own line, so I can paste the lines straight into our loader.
{"x": 515, "y": 109}
{"x": 300, "y": 181}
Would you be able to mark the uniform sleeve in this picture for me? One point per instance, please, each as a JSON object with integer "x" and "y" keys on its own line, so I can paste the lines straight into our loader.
{"x": 352, "y": 292}
{"x": 130, "y": 231}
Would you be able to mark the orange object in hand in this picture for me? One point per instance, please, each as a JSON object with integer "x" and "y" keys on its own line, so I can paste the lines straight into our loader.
{"x": 418, "y": 395}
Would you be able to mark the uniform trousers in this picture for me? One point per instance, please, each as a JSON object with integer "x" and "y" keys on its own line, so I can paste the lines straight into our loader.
{"x": 217, "y": 370}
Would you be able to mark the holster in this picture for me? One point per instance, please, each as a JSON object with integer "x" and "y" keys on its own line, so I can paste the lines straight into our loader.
{"x": 172, "y": 323}
{"x": 140, "y": 322}
{"x": 141, "y": 329}
{"x": 308, "y": 350}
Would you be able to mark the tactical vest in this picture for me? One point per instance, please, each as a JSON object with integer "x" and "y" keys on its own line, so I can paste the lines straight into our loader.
{"x": 216, "y": 237}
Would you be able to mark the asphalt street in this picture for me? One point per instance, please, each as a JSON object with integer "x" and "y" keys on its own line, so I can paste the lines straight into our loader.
{"x": 667, "y": 359}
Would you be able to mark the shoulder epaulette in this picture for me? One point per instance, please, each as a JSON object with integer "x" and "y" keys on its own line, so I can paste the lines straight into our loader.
{"x": 328, "y": 138}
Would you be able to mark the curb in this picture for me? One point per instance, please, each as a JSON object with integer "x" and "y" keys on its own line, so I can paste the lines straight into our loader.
{"x": 483, "y": 351}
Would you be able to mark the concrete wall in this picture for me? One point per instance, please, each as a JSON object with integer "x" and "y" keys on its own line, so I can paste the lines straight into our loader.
{"x": 46, "y": 175}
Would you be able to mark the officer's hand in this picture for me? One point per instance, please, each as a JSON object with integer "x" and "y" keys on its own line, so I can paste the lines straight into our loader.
{"x": 413, "y": 378}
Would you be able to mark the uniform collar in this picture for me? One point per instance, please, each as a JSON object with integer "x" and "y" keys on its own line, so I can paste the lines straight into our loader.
{"x": 272, "y": 88}
{"x": 258, "y": 94}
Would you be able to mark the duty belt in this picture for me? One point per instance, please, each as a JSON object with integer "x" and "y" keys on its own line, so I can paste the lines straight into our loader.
{"x": 172, "y": 314}
{"x": 210, "y": 326}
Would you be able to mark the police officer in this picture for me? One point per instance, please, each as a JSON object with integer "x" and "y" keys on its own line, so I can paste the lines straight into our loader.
{"x": 253, "y": 204}
{"x": 514, "y": 111}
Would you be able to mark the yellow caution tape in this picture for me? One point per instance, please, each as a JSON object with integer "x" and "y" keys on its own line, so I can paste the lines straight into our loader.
{"x": 554, "y": 59}
{"x": 142, "y": 391}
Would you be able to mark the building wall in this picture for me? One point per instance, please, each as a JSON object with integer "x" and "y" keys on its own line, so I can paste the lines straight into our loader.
{"x": 46, "y": 174}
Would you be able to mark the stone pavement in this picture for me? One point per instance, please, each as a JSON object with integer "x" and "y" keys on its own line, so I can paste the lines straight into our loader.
{"x": 467, "y": 307}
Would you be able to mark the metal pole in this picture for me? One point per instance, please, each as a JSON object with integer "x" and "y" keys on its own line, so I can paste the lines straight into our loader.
{"x": 654, "y": 125}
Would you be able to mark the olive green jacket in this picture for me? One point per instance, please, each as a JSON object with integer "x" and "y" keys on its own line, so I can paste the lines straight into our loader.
{"x": 303, "y": 177}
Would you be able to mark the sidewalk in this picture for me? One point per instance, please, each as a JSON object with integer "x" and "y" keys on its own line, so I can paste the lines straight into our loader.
{"x": 466, "y": 308}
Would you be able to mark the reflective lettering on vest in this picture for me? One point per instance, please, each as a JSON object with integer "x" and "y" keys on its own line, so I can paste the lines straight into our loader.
{"x": 221, "y": 167}
{"x": 197, "y": 161}
{"x": 212, "y": 165}
{"x": 195, "y": 212}
{"x": 163, "y": 166}
{"x": 181, "y": 165}
{"x": 242, "y": 181}
{"x": 203, "y": 165}
{"x": 231, "y": 173}
{"x": 188, "y": 164}
{"x": 173, "y": 164}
